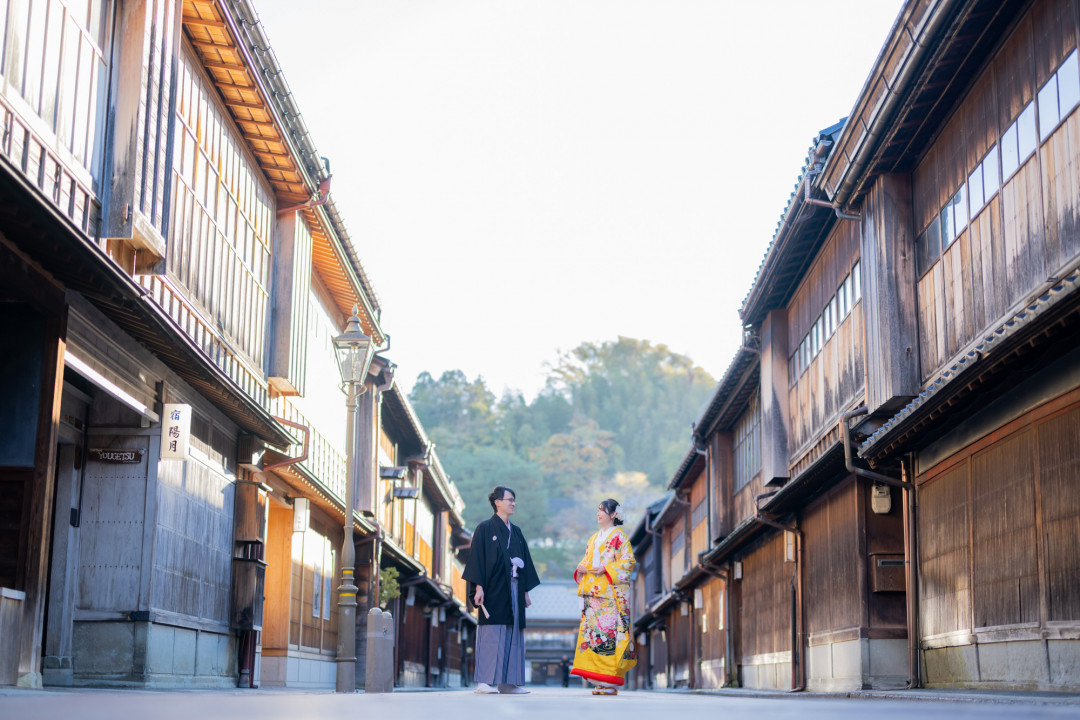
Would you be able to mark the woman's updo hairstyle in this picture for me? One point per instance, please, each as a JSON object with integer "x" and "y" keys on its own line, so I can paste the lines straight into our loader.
{"x": 611, "y": 507}
{"x": 498, "y": 494}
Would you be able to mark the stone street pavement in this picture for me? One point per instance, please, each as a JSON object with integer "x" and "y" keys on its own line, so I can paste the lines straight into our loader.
{"x": 542, "y": 703}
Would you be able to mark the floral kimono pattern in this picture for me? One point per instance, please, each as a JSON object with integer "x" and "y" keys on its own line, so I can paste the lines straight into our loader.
{"x": 605, "y": 646}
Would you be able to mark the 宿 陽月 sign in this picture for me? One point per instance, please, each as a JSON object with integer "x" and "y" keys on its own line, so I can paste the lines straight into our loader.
{"x": 175, "y": 431}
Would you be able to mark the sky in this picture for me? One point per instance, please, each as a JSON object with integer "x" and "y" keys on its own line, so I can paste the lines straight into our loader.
{"x": 523, "y": 176}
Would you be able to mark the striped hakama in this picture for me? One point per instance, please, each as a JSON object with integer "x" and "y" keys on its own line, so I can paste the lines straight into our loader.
{"x": 500, "y": 652}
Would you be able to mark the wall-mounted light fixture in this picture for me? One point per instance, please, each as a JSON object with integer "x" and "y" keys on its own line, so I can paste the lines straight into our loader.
{"x": 301, "y": 514}
{"x": 399, "y": 474}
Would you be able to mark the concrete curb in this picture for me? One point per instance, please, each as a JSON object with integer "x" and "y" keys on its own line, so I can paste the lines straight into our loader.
{"x": 999, "y": 697}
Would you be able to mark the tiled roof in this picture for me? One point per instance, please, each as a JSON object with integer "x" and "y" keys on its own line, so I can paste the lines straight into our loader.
{"x": 728, "y": 384}
{"x": 554, "y": 600}
{"x": 993, "y": 340}
{"x": 829, "y": 133}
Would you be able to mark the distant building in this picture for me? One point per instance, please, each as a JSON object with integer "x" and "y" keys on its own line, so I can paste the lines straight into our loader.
{"x": 551, "y": 631}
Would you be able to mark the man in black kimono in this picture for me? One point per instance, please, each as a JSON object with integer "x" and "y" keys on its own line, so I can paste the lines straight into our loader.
{"x": 500, "y": 574}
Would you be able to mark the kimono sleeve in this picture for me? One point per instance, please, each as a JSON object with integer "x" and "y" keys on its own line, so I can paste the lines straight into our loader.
{"x": 473, "y": 574}
{"x": 622, "y": 566}
{"x": 586, "y": 560}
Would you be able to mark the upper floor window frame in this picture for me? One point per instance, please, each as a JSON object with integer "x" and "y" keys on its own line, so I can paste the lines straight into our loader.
{"x": 832, "y": 316}
{"x": 746, "y": 445}
{"x": 61, "y": 72}
{"x": 1018, "y": 142}
{"x": 1058, "y": 96}
{"x": 1038, "y": 120}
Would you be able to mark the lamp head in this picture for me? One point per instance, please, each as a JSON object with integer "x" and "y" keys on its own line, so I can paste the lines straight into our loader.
{"x": 354, "y": 351}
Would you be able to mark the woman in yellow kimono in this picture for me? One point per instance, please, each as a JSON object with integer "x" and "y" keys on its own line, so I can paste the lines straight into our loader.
{"x": 605, "y": 645}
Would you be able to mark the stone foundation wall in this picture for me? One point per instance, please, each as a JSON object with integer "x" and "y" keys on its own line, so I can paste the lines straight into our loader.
{"x": 146, "y": 654}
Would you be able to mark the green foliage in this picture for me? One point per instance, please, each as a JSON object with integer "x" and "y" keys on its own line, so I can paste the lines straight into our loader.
{"x": 644, "y": 394}
{"x": 388, "y": 585}
{"x": 613, "y": 421}
{"x": 456, "y": 412}
{"x": 477, "y": 470}
{"x": 582, "y": 456}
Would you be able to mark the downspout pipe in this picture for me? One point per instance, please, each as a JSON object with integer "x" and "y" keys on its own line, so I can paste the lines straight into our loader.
{"x": 320, "y": 199}
{"x": 910, "y": 566}
{"x": 849, "y": 463}
{"x": 911, "y": 579}
{"x": 303, "y": 455}
{"x": 825, "y": 203}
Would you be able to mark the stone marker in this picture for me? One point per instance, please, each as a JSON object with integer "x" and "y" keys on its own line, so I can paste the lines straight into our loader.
{"x": 380, "y": 652}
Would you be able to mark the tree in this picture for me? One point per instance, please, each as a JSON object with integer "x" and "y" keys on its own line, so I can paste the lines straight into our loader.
{"x": 579, "y": 457}
{"x": 455, "y": 411}
{"x": 645, "y": 394}
{"x": 613, "y": 421}
{"x": 477, "y": 470}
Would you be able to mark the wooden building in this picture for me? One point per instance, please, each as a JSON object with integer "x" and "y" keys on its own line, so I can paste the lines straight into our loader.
{"x": 168, "y": 244}
{"x": 890, "y": 462}
{"x": 648, "y": 588}
{"x": 554, "y": 619}
{"x": 421, "y": 535}
{"x": 980, "y": 166}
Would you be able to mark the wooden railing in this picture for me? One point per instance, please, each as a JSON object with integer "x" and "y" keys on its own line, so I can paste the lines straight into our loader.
{"x": 65, "y": 186}
{"x": 324, "y": 462}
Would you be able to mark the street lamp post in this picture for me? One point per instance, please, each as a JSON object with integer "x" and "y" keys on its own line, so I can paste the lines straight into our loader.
{"x": 354, "y": 352}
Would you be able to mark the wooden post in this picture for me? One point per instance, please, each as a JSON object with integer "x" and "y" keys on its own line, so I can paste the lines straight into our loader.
{"x": 40, "y": 491}
{"x": 367, "y": 438}
{"x": 292, "y": 281}
{"x": 138, "y": 183}
{"x": 888, "y": 291}
{"x": 774, "y": 396}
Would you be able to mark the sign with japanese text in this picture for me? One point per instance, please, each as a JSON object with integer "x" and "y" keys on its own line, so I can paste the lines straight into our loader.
{"x": 175, "y": 431}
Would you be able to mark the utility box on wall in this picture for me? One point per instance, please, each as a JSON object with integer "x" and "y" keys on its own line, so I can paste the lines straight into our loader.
{"x": 887, "y": 572}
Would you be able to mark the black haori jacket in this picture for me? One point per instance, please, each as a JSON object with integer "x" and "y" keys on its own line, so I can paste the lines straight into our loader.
{"x": 489, "y": 566}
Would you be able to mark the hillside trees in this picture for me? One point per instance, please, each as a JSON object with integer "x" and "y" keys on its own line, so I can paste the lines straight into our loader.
{"x": 613, "y": 421}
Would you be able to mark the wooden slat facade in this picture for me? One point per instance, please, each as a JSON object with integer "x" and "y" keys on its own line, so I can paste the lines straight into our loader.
{"x": 942, "y": 305}
{"x": 827, "y": 367}
{"x": 163, "y": 223}
{"x": 1026, "y": 232}
{"x": 833, "y": 589}
{"x": 997, "y": 523}
{"x": 764, "y": 614}
{"x": 711, "y": 629}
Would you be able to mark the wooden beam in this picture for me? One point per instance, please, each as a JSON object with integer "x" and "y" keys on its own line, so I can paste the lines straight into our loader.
{"x": 257, "y": 123}
{"x": 261, "y": 138}
{"x": 204, "y": 22}
{"x": 271, "y": 154}
{"x": 231, "y": 67}
{"x": 203, "y": 45}
{"x": 242, "y": 104}
{"x": 223, "y": 84}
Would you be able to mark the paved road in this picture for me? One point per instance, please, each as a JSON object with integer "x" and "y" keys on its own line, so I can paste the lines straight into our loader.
{"x": 542, "y": 704}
